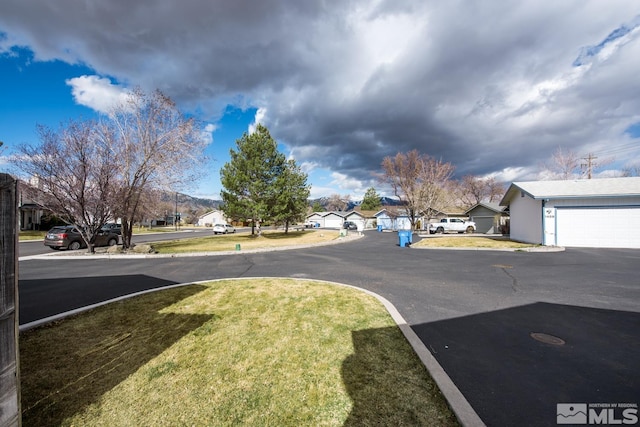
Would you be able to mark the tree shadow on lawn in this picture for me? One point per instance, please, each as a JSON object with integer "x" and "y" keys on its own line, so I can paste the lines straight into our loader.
{"x": 61, "y": 375}
{"x": 389, "y": 385}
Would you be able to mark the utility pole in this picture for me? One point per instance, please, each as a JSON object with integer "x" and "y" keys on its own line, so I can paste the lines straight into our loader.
{"x": 590, "y": 164}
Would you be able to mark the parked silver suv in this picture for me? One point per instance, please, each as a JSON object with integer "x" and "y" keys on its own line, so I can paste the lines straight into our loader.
{"x": 68, "y": 237}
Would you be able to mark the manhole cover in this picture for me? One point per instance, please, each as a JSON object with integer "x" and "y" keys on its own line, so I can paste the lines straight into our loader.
{"x": 546, "y": 338}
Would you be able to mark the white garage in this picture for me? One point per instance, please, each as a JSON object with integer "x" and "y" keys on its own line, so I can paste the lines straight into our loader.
{"x": 603, "y": 227}
{"x": 327, "y": 219}
{"x": 601, "y": 213}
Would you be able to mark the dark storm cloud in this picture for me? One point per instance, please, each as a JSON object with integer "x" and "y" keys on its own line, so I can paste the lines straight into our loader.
{"x": 492, "y": 87}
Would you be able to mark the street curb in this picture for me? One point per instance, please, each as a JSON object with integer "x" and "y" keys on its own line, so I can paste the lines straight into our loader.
{"x": 537, "y": 249}
{"x": 462, "y": 409}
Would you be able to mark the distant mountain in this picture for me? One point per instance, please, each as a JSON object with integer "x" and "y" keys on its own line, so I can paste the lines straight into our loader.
{"x": 188, "y": 203}
{"x": 384, "y": 201}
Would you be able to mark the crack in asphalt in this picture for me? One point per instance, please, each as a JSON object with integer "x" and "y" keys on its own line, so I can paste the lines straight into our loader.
{"x": 514, "y": 279}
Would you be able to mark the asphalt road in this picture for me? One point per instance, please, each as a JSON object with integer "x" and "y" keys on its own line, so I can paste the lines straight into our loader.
{"x": 474, "y": 310}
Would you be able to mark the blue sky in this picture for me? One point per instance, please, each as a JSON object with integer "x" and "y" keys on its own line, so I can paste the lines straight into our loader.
{"x": 39, "y": 93}
{"x": 342, "y": 85}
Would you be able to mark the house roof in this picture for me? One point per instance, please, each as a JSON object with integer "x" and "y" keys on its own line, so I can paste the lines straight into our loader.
{"x": 323, "y": 214}
{"x": 366, "y": 213}
{"x": 571, "y": 189}
{"x": 209, "y": 213}
{"x": 488, "y": 205}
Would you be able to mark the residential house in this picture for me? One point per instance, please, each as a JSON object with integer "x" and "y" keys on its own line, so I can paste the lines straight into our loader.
{"x": 490, "y": 218}
{"x": 585, "y": 213}
{"x": 210, "y": 218}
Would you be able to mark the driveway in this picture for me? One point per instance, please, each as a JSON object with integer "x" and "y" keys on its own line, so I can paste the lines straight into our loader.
{"x": 475, "y": 311}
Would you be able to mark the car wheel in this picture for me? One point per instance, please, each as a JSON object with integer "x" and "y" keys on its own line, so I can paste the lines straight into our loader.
{"x": 74, "y": 246}
{"x": 469, "y": 229}
{"x": 440, "y": 230}
{"x": 112, "y": 242}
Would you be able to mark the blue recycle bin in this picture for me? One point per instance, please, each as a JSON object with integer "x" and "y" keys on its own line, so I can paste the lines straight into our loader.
{"x": 405, "y": 238}
{"x": 379, "y": 228}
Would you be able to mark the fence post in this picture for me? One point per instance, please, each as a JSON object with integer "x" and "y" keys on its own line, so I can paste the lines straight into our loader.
{"x": 9, "y": 365}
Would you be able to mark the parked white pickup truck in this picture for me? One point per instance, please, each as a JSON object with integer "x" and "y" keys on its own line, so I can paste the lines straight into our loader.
{"x": 452, "y": 225}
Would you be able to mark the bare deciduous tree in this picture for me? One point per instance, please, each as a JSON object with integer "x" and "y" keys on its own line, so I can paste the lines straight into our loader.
{"x": 337, "y": 202}
{"x": 563, "y": 164}
{"x": 155, "y": 145}
{"x": 73, "y": 173}
{"x": 630, "y": 171}
{"x": 419, "y": 181}
{"x": 471, "y": 190}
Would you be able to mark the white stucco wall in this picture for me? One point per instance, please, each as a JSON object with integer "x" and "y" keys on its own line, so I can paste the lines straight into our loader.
{"x": 355, "y": 218}
{"x": 213, "y": 217}
{"x": 526, "y": 219}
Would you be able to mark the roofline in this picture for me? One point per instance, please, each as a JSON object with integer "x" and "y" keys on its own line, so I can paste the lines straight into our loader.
{"x": 508, "y": 195}
{"x": 484, "y": 205}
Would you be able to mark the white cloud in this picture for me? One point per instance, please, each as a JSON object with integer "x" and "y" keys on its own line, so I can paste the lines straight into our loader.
{"x": 259, "y": 119}
{"x": 207, "y": 133}
{"x": 96, "y": 92}
{"x": 346, "y": 183}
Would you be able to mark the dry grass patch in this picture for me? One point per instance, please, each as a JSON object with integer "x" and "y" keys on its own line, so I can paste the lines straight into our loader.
{"x": 228, "y": 242}
{"x": 471, "y": 242}
{"x": 32, "y": 234}
{"x": 252, "y": 352}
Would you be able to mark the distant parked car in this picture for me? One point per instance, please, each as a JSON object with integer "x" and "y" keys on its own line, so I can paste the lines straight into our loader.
{"x": 223, "y": 229}
{"x": 116, "y": 228}
{"x": 68, "y": 237}
{"x": 349, "y": 225}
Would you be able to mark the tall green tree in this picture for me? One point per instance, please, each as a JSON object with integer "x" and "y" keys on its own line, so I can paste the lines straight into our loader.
{"x": 291, "y": 196}
{"x": 317, "y": 207}
{"x": 250, "y": 178}
{"x": 371, "y": 200}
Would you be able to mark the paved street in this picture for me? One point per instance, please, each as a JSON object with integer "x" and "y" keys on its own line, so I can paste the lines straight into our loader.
{"x": 37, "y": 247}
{"x": 474, "y": 310}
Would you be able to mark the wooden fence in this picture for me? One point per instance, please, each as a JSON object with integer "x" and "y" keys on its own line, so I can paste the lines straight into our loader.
{"x": 9, "y": 366}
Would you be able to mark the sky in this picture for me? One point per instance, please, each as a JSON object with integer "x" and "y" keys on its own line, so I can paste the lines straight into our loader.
{"x": 493, "y": 87}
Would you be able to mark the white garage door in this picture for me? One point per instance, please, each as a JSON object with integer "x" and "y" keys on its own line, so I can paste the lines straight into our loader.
{"x": 606, "y": 227}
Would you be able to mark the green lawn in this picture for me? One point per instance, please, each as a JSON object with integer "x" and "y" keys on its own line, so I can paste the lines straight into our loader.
{"x": 228, "y": 242}
{"x": 262, "y": 352}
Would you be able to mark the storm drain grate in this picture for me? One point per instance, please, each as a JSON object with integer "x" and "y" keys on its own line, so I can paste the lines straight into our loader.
{"x": 546, "y": 338}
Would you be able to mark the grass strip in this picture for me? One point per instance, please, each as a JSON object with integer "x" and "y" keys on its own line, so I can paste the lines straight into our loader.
{"x": 262, "y": 352}
{"x": 470, "y": 242}
{"x": 228, "y": 242}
